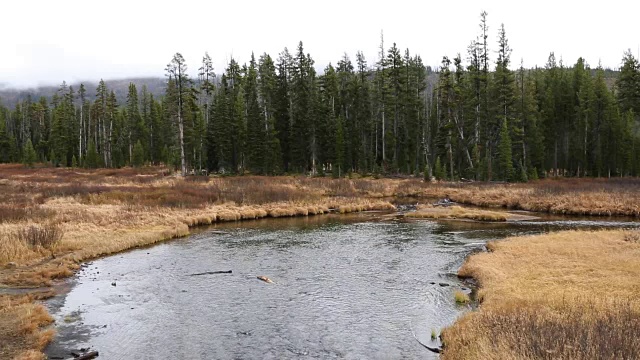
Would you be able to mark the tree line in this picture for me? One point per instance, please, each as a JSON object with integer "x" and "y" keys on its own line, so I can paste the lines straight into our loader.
{"x": 479, "y": 119}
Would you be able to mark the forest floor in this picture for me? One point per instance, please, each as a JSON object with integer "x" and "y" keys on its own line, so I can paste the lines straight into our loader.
{"x": 565, "y": 295}
{"x": 53, "y": 219}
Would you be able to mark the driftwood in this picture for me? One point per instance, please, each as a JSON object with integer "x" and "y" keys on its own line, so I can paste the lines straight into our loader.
{"x": 213, "y": 272}
{"x": 265, "y": 279}
{"x": 87, "y": 356}
{"x": 430, "y": 348}
{"x": 445, "y": 203}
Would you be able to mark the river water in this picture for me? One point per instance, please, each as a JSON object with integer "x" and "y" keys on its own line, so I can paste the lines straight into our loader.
{"x": 362, "y": 286}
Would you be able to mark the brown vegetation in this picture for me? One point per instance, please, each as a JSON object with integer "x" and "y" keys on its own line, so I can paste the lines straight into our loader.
{"x": 568, "y": 295}
{"x": 572, "y": 196}
{"x": 52, "y": 219}
{"x": 23, "y": 326}
{"x": 457, "y": 212}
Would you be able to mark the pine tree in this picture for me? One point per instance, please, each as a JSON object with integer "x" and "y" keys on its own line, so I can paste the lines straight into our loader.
{"x": 92, "y": 159}
{"x": 504, "y": 85}
{"x": 177, "y": 72}
{"x": 29, "y": 156}
{"x": 303, "y": 99}
{"x": 206, "y": 80}
{"x": 267, "y": 80}
{"x": 256, "y": 130}
{"x": 135, "y": 128}
{"x": 440, "y": 171}
{"x": 504, "y": 153}
{"x": 628, "y": 84}
{"x": 138, "y": 155}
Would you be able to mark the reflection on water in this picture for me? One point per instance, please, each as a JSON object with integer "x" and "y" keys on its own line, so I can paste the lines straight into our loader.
{"x": 354, "y": 287}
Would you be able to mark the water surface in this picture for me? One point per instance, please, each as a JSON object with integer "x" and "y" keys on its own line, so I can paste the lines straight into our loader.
{"x": 346, "y": 287}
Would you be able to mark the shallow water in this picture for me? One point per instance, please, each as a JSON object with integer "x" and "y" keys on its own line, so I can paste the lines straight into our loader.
{"x": 352, "y": 286}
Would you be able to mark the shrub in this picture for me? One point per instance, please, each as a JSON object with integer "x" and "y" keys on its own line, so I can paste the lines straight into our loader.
{"x": 41, "y": 236}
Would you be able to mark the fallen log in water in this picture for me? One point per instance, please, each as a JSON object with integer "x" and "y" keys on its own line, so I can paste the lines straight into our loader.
{"x": 265, "y": 279}
{"x": 87, "y": 356}
{"x": 213, "y": 272}
{"x": 435, "y": 349}
{"x": 445, "y": 203}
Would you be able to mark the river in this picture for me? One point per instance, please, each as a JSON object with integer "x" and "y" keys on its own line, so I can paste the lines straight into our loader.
{"x": 363, "y": 286}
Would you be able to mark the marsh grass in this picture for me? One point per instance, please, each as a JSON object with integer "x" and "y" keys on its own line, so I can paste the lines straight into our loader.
{"x": 104, "y": 211}
{"x": 24, "y": 325}
{"x": 457, "y": 212}
{"x": 567, "y": 295}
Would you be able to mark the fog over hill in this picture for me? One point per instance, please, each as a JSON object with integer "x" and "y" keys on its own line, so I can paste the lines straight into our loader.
{"x": 155, "y": 85}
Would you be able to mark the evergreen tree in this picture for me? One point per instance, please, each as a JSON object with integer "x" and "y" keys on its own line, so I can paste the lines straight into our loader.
{"x": 303, "y": 136}
{"x": 628, "y": 84}
{"x": 504, "y": 153}
{"x": 177, "y": 73}
{"x": 440, "y": 171}
{"x": 138, "y": 155}
{"x": 135, "y": 128}
{"x": 256, "y": 130}
{"x": 268, "y": 117}
{"x": 92, "y": 159}
{"x": 29, "y": 156}
{"x": 267, "y": 82}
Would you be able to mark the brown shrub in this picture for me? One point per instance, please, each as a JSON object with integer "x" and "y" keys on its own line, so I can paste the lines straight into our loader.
{"x": 45, "y": 236}
{"x": 12, "y": 213}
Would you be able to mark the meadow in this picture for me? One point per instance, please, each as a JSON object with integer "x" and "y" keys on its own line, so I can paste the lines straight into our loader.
{"x": 54, "y": 219}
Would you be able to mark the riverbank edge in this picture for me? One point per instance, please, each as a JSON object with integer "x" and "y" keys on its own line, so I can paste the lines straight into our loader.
{"x": 35, "y": 326}
{"x": 475, "y": 276}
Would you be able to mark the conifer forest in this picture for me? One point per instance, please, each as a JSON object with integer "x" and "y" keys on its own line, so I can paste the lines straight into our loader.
{"x": 479, "y": 115}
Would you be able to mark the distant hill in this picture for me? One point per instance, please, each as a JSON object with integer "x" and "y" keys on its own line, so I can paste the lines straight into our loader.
{"x": 155, "y": 85}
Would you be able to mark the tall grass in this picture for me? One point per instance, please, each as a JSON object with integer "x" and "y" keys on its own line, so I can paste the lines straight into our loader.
{"x": 44, "y": 236}
{"x": 568, "y": 295}
{"x": 458, "y": 212}
{"x": 23, "y": 326}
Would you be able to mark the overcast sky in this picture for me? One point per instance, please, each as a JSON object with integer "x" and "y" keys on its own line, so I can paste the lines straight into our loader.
{"x": 45, "y": 42}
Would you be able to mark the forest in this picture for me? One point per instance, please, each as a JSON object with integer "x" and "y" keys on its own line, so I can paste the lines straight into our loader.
{"x": 481, "y": 117}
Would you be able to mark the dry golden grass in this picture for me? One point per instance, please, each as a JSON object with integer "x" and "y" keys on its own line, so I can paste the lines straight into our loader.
{"x": 598, "y": 197}
{"x": 457, "y": 212}
{"x": 100, "y": 212}
{"x": 568, "y": 295}
{"x": 23, "y": 327}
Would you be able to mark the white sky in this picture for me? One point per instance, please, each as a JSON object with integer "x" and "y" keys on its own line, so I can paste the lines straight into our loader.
{"x": 45, "y": 42}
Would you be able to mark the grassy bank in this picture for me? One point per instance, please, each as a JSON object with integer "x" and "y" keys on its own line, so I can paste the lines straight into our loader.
{"x": 52, "y": 219}
{"x": 457, "y": 212}
{"x": 567, "y": 295}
